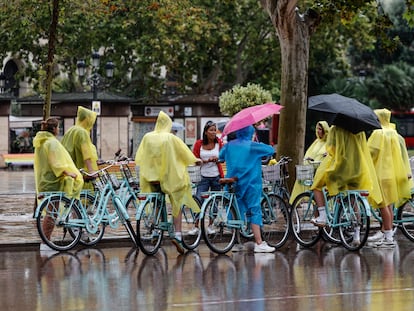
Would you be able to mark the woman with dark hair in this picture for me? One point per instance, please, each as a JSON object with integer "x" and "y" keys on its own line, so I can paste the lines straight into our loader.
{"x": 54, "y": 169}
{"x": 207, "y": 149}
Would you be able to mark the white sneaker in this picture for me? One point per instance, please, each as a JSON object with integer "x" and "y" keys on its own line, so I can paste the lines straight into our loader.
{"x": 263, "y": 248}
{"x": 210, "y": 230}
{"x": 385, "y": 243}
{"x": 194, "y": 231}
{"x": 379, "y": 235}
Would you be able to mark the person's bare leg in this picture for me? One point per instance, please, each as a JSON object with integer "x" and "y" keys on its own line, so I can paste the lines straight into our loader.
{"x": 256, "y": 233}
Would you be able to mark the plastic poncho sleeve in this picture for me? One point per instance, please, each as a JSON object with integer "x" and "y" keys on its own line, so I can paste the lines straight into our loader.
{"x": 51, "y": 160}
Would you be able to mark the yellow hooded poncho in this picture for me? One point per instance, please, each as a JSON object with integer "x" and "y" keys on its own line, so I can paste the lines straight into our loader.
{"x": 77, "y": 140}
{"x": 164, "y": 157}
{"x": 50, "y": 161}
{"x": 316, "y": 151}
{"x": 347, "y": 166}
{"x": 386, "y": 152}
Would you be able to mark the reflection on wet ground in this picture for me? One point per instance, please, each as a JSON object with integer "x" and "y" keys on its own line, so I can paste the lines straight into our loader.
{"x": 325, "y": 277}
{"x": 321, "y": 278}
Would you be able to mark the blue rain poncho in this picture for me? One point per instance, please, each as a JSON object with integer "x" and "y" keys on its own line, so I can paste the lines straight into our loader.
{"x": 50, "y": 161}
{"x": 348, "y": 165}
{"x": 164, "y": 157}
{"x": 77, "y": 141}
{"x": 390, "y": 161}
{"x": 243, "y": 160}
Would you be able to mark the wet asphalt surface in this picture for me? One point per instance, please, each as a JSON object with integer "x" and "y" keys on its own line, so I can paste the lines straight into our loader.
{"x": 115, "y": 276}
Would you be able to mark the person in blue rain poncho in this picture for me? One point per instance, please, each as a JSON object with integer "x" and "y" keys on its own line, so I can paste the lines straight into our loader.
{"x": 243, "y": 160}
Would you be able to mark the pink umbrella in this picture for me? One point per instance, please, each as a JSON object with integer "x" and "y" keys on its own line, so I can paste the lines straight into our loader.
{"x": 249, "y": 116}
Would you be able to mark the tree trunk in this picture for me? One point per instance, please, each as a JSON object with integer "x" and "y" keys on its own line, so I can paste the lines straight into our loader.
{"x": 293, "y": 31}
{"x": 50, "y": 59}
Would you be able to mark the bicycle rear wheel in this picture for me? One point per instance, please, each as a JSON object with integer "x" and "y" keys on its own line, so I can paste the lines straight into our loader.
{"x": 56, "y": 215}
{"x": 331, "y": 234}
{"x": 350, "y": 218}
{"x": 405, "y": 217}
{"x": 303, "y": 209}
{"x": 190, "y": 221}
{"x": 149, "y": 233}
{"x": 275, "y": 230}
{"x": 217, "y": 223}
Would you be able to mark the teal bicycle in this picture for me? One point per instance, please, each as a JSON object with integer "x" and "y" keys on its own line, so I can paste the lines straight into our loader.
{"x": 222, "y": 224}
{"x": 153, "y": 219}
{"x": 403, "y": 218}
{"x": 346, "y": 212}
{"x": 62, "y": 223}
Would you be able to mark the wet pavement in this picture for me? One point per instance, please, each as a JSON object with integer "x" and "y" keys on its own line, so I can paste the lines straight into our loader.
{"x": 114, "y": 276}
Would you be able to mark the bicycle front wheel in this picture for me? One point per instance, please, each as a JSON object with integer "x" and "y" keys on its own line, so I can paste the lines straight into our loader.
{"x": 218, "y": 223}
{"x": 275, "y": 230}
{"x": 303, "y": 210}
{"x": 190, "y": 227}
{"x": 353, "y": 218}
{"x": 405, "y": 217}
{"x": 149, "y": 233}
{"x": 59, "y": 223}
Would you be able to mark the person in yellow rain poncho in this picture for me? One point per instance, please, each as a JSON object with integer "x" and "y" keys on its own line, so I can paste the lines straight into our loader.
{"x": 77, "y": 141}
{"x": 314, "y": 154}
{"x": 164, "y": 157}
{"x": 390, "y": 160}
{"x": 54, "y": 169}
{"x": 347, "y": 166}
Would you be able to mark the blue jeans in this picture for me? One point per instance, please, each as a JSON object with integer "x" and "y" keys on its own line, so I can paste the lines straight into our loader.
{"x": 206, "y": 184}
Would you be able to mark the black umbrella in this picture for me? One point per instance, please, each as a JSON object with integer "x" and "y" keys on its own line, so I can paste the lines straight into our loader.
{"x": 345, "y": 112}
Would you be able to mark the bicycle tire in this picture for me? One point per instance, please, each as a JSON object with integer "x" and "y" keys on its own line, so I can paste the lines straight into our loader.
{"x": 149, "y": 233}
{"x": 275, "y": 230}
{"x": 88, "y": 238}
{"x": 405, "y": 217}
{"x": 62, "y": 238}
{"x": 189, "y": 221}
{"x": 331, "y": 234}
{"x": 357, "y": 216}
{"x": 218, "y": 235}
{"x": 303, "y": 208}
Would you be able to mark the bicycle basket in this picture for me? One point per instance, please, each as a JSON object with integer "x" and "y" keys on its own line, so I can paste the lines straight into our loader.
{"x": 304, "y": 174}
{"x": 132, "y": 180}
{"x": 99, "y": 182}
{"x": 271, "y": 172}
{"x": 195, "y": 173}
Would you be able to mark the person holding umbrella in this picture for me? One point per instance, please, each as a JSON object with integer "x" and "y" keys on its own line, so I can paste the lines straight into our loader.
{"x": 347, "y": 166}
{"x": 392, "y": 173}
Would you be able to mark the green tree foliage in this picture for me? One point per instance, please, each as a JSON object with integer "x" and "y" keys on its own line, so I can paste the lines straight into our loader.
{"x": 392, "y": 87}
{"x": 239, "y": 97}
